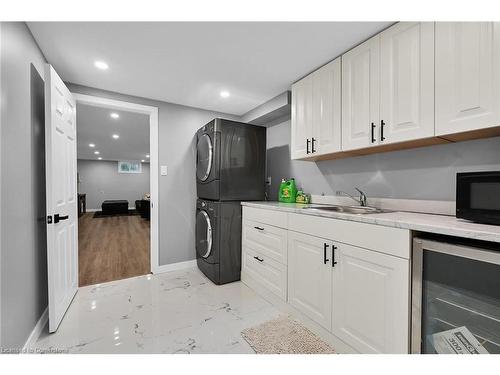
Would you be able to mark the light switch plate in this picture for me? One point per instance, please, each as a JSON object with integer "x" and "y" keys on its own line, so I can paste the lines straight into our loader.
{"x": 163, "y": 170}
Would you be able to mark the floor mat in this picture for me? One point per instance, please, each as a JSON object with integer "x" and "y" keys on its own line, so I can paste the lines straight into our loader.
{"x": 285, "y": 336}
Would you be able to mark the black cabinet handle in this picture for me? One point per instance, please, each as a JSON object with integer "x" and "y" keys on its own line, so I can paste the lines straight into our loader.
{"x": 307, "y": 146}
{"x": 58, "y": 218}
{"x": 259, "y": 228}
{"x": 260, "y": 260}
{"x": 382, "y": 124}
{"x": 312, "y": 146}
{"x": 373, "y": 133}
{"x": 333, "y": 255}
{"x": 325, "y": 247}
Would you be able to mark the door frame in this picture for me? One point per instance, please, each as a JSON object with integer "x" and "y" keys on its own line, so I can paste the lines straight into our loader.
{"x": 152, "y": 112}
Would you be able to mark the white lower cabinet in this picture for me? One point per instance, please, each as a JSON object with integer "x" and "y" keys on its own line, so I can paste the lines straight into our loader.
{"x": 310, "y": 277}
{"x": 370, "y": 309}
{"x": 350, "y": 278}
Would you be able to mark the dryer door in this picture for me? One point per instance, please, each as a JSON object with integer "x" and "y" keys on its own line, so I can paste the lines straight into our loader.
{"x": 205, "y": 156}
{"x": 203, "y": 235}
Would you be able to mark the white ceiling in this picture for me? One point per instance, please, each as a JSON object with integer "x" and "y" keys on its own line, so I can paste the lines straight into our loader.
{"x": 95, "y": 125}
{"x": 189, "y": 63}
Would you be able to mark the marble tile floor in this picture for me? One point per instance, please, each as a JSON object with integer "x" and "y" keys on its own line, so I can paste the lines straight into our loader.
{"x": 174, "y": 312}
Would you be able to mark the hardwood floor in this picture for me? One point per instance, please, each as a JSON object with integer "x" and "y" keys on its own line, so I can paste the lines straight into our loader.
{"x": 112, "y": 248}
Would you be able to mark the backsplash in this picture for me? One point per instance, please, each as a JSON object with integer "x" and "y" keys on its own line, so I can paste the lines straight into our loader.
{"x": 426, "y": 173}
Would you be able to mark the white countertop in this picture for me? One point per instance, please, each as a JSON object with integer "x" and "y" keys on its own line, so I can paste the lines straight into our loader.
{"x": 439, "y": 224}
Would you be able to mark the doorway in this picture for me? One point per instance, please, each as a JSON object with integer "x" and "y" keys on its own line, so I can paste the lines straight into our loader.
{"x": 117, "y": 163}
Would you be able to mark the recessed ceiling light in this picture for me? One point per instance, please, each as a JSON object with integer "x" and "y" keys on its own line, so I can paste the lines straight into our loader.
{"x": 224, "y": 94}
{"x": 96, "y": 152}
{"x": 99, "y": 158}
{"x": 142, "y": 161}
{"x": 115, "y": 115}
{"x": 147, "y": 155}
{"x": 91, "y": 145}
{"x": 116, "y": 136}
{"x": 101, "y": 65}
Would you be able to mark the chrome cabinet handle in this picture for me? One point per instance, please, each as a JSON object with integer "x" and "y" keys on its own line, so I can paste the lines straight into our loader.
{"x": 259, "y": 259}
{"x": 259, "y": 228}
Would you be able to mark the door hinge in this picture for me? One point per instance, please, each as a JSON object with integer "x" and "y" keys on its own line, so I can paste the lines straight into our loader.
{"x": 49, "y": 219}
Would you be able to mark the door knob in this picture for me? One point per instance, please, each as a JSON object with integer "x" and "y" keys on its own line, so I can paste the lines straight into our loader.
{"x": 58, "y": 218}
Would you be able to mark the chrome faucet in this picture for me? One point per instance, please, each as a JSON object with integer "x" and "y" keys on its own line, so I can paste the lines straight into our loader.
{"x": 362, "y": 200}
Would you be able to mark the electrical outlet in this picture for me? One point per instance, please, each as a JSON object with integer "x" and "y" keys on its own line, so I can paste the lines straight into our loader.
{"x": 268, "y": 180}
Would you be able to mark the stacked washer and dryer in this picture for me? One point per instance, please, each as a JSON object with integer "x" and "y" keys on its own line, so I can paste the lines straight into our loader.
{"x": 231, "y": 162}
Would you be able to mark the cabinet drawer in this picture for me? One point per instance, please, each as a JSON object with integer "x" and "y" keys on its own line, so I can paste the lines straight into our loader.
{"x": 266, "y": 271}
{"x": 268, "y": 240}
{"x": 271, "y": 217}
{"x": 388, "y": 240}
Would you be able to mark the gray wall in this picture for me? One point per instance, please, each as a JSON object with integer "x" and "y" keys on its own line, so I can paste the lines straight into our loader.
{"x": 422, "y": 173}
{"x": 100, "y": 180}
{"x": 23, "y": 252}
{"x": 177, "y": 192}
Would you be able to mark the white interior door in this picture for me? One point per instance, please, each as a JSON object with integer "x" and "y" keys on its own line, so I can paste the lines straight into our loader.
{"x": 62, "y": 238}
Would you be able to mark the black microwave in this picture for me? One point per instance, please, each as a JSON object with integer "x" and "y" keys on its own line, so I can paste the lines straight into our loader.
{"x": 478, "y": 197}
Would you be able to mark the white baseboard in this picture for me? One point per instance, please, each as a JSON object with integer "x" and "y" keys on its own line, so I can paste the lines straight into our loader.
{"x": 37, "y": 331}
{"x": 175, "y": 266}
{"x": 98, "y": 209}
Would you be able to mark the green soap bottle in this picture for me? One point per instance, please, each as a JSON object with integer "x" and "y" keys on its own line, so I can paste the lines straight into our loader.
{"x": 288, "y": 191}
{"x": 280, "y": 191}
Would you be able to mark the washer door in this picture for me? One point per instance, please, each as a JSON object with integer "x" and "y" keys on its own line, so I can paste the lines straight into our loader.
{"x": 203, "y": 234}
{"x": 205, "y": 151}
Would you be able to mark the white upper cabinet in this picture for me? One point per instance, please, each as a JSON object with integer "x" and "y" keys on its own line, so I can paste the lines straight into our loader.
{"x": 326, "y": 109}
{"x": 406, "y": 82}
{"x": 370, "y": 308}
{"x": 360, "y": 95}
{"x": 467, "y": 76}
{"x": 316, "y": 113}
{"x": 415, "y": 81}
{"x": 301, "y": 118}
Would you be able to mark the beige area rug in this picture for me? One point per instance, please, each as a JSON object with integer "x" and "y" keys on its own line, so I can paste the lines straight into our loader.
{"x": 285, "y": 336}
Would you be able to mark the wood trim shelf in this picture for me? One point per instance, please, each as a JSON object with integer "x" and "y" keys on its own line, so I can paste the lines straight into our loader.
{"x": 450, "y": 138}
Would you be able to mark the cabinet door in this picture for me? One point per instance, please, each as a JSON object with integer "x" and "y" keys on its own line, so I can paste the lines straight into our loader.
{"x": 301, "y": 117}
{"x": 407, "y": 82}
{"x": 310, "y": 277}
{"x": 467, "y": 76}
{"x": 326, "y": 106}
{"x": 371, "y": 300}
{"x": 360, "y": 95}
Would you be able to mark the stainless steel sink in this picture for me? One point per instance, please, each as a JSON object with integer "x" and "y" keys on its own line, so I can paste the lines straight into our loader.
{"x": 359, "y": 210}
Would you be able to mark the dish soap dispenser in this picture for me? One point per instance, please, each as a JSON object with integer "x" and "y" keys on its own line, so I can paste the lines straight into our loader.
{"x": 288, "y": 191}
